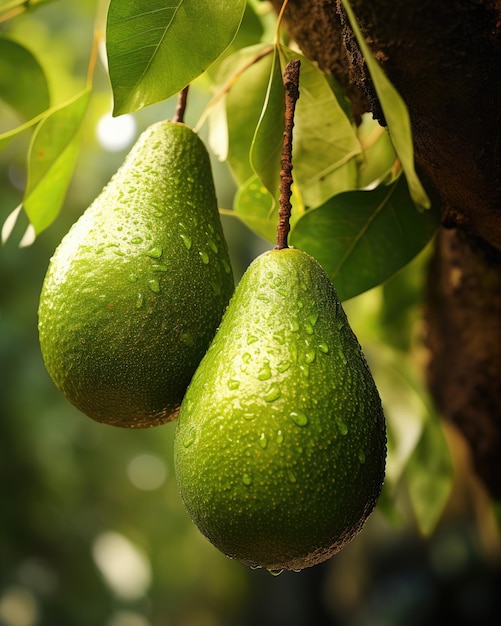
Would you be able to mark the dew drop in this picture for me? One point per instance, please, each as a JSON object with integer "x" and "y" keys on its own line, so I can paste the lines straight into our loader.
{"x": 213, "y": 245}
{"x": 246, "y": 357}
{"x": 292, "y": 478}
{"x": 247, "y": 479}
{"x": 132, "y": 278}
{"x": 313, "y": 318}
{"x": 216, "y": 289}
{"x": 283, "y": 366}
{"x": 305, "y": 368}
{"x": 361, "y": 456}
{"x": 274, "y": 392}
{"x": 308, "y": 328}
{"x": 188, "y": 339}
{"x": 136, "y": 240}
{"x": 323, "y": 347}
{"x": 343, "y": 427}
{"x": 279, "y": 337}
{"x": 159, "y": 267}
{"x": 205, "y": 257}
{"x": 299, "y": 304}
{"x": 275, "y": 572}
{"x": 280, "y": 437}
{"x": 155, "y": 252}
{"x": 154, "y": 285}
{"x": 251, "y": 339}
{"x": 139, "y": 300}
{"x": 186, "y": 241}
{"x": 263, "y": 441}
{"x": 310, "y": 355}
{"x": 269, "y": 275}
{"x": 299, "y": 418}
{"x": 265, "y": 372}
{"x": 249, "y": 416}
{"x": 190, "y": 441}
{"x": 294, "y": 326}
{"x": 226, "y": 266}
{"x": 233, "y": 384}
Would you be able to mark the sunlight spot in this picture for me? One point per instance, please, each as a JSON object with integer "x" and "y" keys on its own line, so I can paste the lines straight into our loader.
{"x": 125, "y": 568}
{"x": 116, "y": 133}
{"x": 128, "y": 618}
{"x": 18, "y": 607}
{"x": 147, "y": 472}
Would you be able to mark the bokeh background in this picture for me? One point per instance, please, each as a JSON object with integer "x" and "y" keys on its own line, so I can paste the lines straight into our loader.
{"x": 92, "y": 528}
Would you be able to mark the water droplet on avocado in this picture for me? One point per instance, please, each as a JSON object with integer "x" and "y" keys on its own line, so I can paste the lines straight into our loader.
{"x": 273, "y": 393}
{"x": 251, "y": 339}
{"x": 247, "y": 479}
{"x": 154, "y": 285}
{"x": 159, "y": 267}
{"x": 226, "y": 266}
{"x": 233, "y": 384}
{"x": 139, "y": 300}
{"x": 136, "y": 240}
{"x": 155, "y": 252}
{"x": 275, "y": 572}
{"x": 280, "y": 437}
{"x": 291, "y": 476}
{"x": 361, "y": 456}
{"x": 263, "y": 441}
{"x": 299, "y": 418}
{"x": 213, "y": 245}
{"x": 310, "y": 355}
{"x": 265, "y": 372}
{"x": 283, "y": 366}
{"x": 343, "y": 427}
{"x": 186, "y": 241}
{"x": 205, "y": 257}
{"x": 323, "y": 347}
{"x": 132, "y": 278}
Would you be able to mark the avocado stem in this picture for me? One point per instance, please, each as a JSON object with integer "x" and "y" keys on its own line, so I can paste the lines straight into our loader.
{"x": 291, "y": 87}
{"x": 181, "y": 105}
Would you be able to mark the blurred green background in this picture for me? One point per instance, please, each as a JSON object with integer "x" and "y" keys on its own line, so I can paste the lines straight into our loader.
{"x": 92, "y": 528}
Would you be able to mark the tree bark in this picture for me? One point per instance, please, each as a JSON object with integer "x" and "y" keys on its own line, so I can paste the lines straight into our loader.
{"x": 444, "y": 58}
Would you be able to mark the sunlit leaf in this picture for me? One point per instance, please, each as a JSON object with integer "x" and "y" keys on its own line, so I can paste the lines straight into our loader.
{"x": 378, "y": 161}
{"x": 395, "y": 112}
{"x": 324, "y": 137}
{"x": 429, "y": 475}
{"x": 51, "y": 161}
{"x": 266, "y": 148}
{"x": 23, "y": 84}
{"x": 363, "y": 237}
{"x": 156, "y": 48}
{"x": 244, "y": 103}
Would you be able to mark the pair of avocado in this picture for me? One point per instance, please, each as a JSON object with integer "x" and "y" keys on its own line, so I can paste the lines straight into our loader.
{"x": 280, "y": 443}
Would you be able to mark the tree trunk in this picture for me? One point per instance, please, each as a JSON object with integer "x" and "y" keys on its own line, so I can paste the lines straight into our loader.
{"x": 444, "y": 58}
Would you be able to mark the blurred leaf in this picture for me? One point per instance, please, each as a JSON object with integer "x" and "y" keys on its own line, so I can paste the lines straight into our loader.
{"x": 378, "y": 161}
{"x": 23, "y": 84}
{"x": 6, "y": 137}
{"x": 52, "y": 159}
{"x": 266, "y": 147}
{"x": 429, "y": 475}
{"x": 244, "y": 104}
{"x": 324, "y": 138}
{"x": 395, "y": 112}
{"x": 155, "y": 51}
{"x": 363, "y": 237}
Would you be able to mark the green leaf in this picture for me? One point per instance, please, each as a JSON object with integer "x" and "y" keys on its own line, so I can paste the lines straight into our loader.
{"x": 52, "y": 158}
{"x": 154, "y": 51}
{"x": 429, "y": 475}
{"x": 395, "y": 112}
{"x": 244, "y": 104}
{"x": 363, "y": 237}
{"x": 266, "y": 147}
{"x": 324, "y": 137}
{"x": 23, "y": 84}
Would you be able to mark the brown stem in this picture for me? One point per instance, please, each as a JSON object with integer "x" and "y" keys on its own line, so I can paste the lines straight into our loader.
{"x": 291, "y": 86}
{"x": 181, "y": 105}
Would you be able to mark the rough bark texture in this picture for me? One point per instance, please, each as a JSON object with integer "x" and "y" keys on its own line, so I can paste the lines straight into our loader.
{"x": 444, "y": 57}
